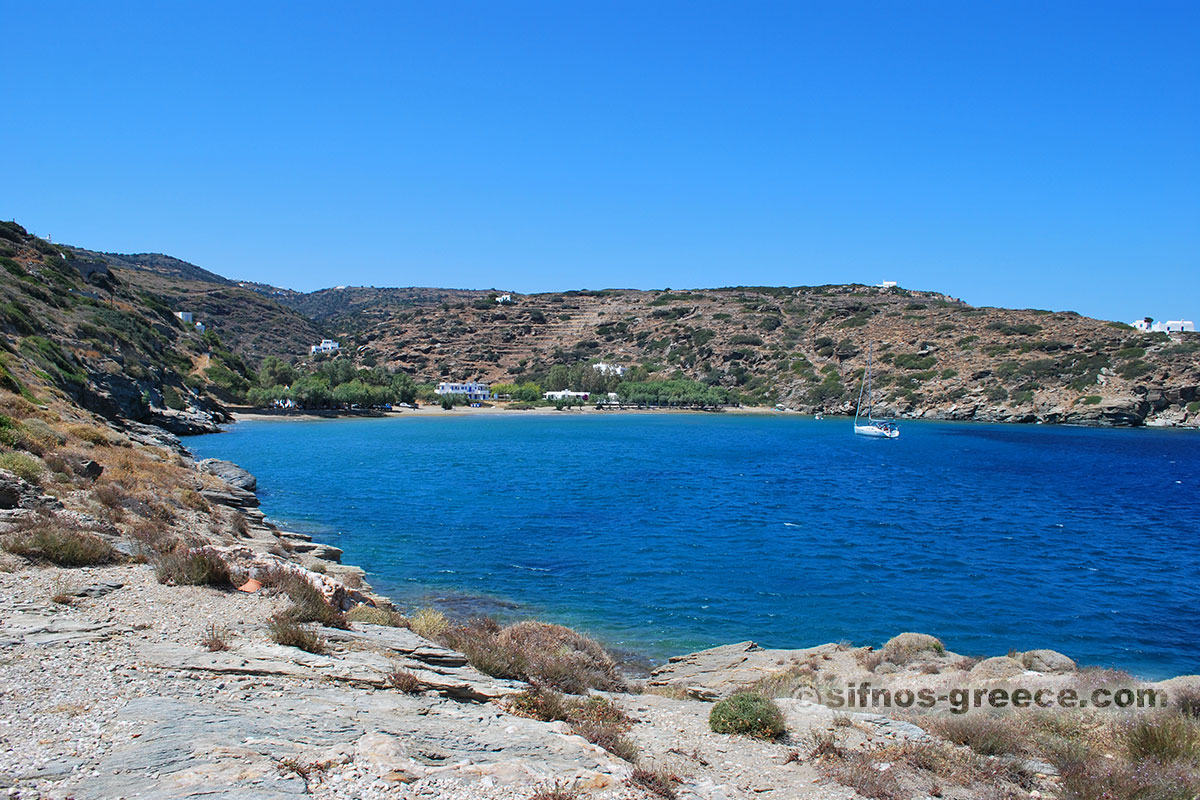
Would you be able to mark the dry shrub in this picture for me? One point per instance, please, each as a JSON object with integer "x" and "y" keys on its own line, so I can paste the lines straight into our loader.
{"x": 90, "y": 433}
{"x": 151, "y": 539}
{"x": 659, "y": 782}
{"x": 39, "y": 438}
{"x": 748, "y": 714}
{"x": 188, "y": 566}
{"x": 192, "y": 499}
{"x": 373, "y": 615}
{"x": 214, "y": 639}
{"x": 908, "y": 647}
{"x": 788, "y": 683}
{"x": 404, "y": 680}
{"x": 557, "y": 792}
{"x": 825, "y": 745}
{"x": 429, "y": 622}
{"x": 986, "y": 735}
{"x": 1087, "y": 774}
{"x": 239, "y": 524}
{"x": 1165, "y": 737}
{"x": 110, "y": 495}
{"x": 596, "y": 719}
{"x": 540, "y": 703}
{"x": 1187, "y": 701}
{"x": 308, "y": 603}
{"x": 61, "y": 593}
{"x": 538, "y": 652}
{"x": 862, "y": 772}
{"x": 288, "y": 632}
{"x": 49, "y": 541}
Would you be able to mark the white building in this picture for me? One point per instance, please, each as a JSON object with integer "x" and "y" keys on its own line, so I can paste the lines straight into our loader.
{"x": 609, "y": 369}
{"x": 504, "y": 299}
{"x": 566, "y": 395}
{"x": 475, "y": 392}
{"x": 1148, "y": 325}
{"x": 887, "y": 285}
{"x": 184, "y": 316}
{"x": 326, "y": 346}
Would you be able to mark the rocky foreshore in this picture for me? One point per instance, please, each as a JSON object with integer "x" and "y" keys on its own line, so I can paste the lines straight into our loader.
{"x": 114, "y": 685}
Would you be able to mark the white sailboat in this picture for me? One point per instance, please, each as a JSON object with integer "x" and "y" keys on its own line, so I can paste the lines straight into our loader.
{"x": 879, "y": 429}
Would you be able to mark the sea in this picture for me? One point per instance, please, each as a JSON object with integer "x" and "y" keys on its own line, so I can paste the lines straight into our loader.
{"x": 664, "y": 533}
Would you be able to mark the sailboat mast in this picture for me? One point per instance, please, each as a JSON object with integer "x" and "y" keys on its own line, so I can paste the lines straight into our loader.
{"x": 870, "y": 389}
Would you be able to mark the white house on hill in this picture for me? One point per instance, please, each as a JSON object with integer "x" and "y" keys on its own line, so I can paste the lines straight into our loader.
{"x": 326, "y": 346}
{"x": 474, "y": 391}
{"x": 1148, "y": 325}
{"x": 609, "y": 369}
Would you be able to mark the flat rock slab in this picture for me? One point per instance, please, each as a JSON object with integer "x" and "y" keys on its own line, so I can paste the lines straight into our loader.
{"x": 194, "y": 749}
{"x": 48, "y": 628}
{"x": 720, "y": 671}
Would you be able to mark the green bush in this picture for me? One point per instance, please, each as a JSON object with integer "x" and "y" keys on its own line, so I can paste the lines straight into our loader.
{"x": 914, "y": 361}
{"x": 23, "y": 466}
{"x": 1134, "y": 370}
{"x": 749, "y": 714}
{"x": 1090, "y": 400}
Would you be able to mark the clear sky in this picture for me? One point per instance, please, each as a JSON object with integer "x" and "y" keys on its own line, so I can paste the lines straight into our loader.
{"x": 1030, "y": 154}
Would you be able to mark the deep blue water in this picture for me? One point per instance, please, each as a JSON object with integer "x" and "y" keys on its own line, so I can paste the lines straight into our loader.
{"x": 666, "y": 533}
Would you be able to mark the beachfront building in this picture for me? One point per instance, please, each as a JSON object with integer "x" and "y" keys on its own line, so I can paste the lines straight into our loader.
{"x": 326, "y": 346}
{"x": 609, "y": 369}
{"x": 566, "y": 395}
{"x": 1148, "y": 325}
{"x": 473, "y": 391}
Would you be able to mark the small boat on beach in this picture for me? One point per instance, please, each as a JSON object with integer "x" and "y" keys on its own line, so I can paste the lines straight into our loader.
{"x": 876, "y": 428}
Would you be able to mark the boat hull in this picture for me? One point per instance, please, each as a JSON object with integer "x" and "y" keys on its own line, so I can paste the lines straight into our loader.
{"x": 876, "y": 432}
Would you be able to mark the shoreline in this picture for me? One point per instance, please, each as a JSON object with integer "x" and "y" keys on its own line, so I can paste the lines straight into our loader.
{"x": 240, "y": 414}
{"x": 118, "y": 690}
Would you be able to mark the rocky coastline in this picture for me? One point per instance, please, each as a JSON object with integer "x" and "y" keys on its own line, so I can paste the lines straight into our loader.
{"x": 109, "y": 690}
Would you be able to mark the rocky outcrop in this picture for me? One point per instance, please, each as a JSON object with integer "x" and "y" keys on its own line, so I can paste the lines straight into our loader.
{"x": 230, "y": 473}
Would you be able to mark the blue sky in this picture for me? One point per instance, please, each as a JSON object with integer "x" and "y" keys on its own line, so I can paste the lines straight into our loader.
{"x": 1025, "y": 154}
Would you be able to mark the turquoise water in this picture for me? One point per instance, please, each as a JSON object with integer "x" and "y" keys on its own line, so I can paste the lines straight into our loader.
{"x": 666, "y": 533}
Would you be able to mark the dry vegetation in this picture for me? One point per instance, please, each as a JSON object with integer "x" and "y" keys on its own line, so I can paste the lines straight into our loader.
{"x": 597, "y": 719}
{"x": 537, "y": 652}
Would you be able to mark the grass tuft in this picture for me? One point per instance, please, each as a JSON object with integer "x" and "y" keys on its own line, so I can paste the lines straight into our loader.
{"x": 214, "y": 639}
{"x": 62, "y": 546}
{"x": 288, "y": 632}
{"x": 429, "y": 622}
{"x": 184, "y": 566}
{"x": 986, "y": 735}
{"x": 405, "y": 681}
{"x": 658, "y": 782}
{"x": 373, "y": 615}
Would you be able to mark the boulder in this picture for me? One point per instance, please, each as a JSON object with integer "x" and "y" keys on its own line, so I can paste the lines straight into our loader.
{"x": 231, "y": 473}
{"x": 998, "y": 668}
{"x": 1047, "y": 661}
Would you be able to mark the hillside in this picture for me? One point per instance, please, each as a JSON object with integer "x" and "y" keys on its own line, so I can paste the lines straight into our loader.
{"x": 806, "y": 347}
{"x": 802, "y": 347}
{"x": 78, "y": 329}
